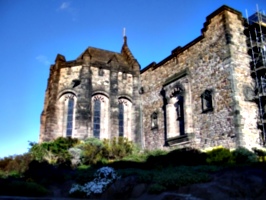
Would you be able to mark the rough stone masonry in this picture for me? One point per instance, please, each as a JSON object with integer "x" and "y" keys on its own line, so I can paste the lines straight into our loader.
{"x": 195, "y": 97}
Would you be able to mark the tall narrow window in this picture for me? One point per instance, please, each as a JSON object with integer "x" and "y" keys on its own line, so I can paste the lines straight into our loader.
{"x": 154, "y": 120}
{"x": 206, "y": 101}
{"x": 70, "y": 112}
{"x": 263, "y": 85}
{"x": 97, "y": 118}
{"x": 121, "y": 119}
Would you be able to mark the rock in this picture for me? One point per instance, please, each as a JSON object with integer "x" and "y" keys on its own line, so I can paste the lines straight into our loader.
{"x": 120, "y": 189}
{"x": 138, "y": 190}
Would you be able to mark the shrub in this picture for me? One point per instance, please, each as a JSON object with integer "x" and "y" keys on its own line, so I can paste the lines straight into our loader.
{"x": 54, "y": 152}
{"x": 4, "y": 162}
{"x": 75, "y": 154}
{"x": 91, "y": 151}
{"x": 260, "y": 153}
{"x": 45, "y": 173}
{"x": 20, "y": 188}
{"x": 185, "y": 156}
{"x": 117, "y": 148}
{"x": 16, "y": 164}
{"x": 243, "y": 155}
{"x": 219, "y": 156}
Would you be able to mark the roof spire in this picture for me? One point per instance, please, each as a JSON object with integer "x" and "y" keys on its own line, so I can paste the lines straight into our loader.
{"x": 124, "y": 32}
{"x": 124, "y": 35}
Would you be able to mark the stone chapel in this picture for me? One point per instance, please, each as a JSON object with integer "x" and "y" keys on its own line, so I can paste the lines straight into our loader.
{"x": 207, "y": 93}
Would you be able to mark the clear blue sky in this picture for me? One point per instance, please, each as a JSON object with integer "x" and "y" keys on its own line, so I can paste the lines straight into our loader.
{"x": 32, "y": 32}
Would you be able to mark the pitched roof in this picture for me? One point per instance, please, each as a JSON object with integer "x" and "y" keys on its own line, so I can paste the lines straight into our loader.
{"x": 103, "y": 56}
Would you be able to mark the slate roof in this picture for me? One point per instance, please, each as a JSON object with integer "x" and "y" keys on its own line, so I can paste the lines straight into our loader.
{"x": 104, "y": 56}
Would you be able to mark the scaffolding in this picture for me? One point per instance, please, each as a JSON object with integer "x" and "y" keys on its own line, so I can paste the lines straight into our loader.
{"x": 256, "y": 41}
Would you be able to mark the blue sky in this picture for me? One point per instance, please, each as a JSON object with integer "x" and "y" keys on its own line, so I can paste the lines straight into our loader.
{"x": 33, "y": 32}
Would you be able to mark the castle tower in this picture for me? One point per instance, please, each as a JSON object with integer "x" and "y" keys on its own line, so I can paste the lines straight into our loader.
{"x": 95, "y": 95}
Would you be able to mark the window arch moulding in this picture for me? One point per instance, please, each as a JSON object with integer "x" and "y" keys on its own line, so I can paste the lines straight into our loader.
{"x": 66, "y": 114}
{"x": 100, "y": 118}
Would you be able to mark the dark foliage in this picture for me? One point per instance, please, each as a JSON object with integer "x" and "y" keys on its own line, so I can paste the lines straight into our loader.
{"x": 242, "y": 155}
{"x": 45, "y": 173}
{"x": 128, "y": 164}
{"x": 11, "y": 187}
{"x": 185, "y": 156}
{"x": 260, "y": 153}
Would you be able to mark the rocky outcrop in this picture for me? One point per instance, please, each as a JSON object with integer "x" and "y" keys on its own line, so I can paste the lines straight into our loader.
{"x": 231, "y": 184}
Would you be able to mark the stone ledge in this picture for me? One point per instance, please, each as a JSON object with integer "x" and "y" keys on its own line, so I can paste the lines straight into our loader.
{"x": 178, "y": 140}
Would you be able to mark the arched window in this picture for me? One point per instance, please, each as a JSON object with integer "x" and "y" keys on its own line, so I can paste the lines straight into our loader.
{"x": 124, "y": 118}
{"x": 100, "y": 118}
{"x": 97, "y": 118}
{"x": 70, "y": 113}
{"x": 121, "y": 120}
{"x": 175, "y": 115}
{"x": 66, "y": 106}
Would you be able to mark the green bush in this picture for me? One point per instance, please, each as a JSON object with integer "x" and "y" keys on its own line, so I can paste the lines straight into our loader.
{"x": 117, "y": 148}
{"x": 91, "y": 151}
{"x": 242, "y": 155}
{"x": 54, "y": 152}
{"x": 219, "y": 156}
{"x": 260, "y": 153}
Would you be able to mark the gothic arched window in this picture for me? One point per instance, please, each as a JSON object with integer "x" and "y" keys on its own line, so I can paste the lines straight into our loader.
{"x": 121, "y": 120}
{"x": 66, "y": 114}
{"x": 97, "y": 118}
{"x": 124, "y": 118}
{"x": 100, "y": 118}
{"x": 70, "y": 113}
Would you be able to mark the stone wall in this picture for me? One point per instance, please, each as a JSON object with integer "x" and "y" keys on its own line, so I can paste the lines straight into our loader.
{"x": 216, "y": 61}
{"x": 195, "y": 97}
{"x": 95, "y": 74}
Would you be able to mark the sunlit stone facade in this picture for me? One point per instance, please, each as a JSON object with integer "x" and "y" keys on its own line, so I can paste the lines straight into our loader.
{"x": 195, "y": 97}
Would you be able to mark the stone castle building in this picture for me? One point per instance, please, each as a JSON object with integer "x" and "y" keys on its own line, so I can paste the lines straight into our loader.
{"x": 207, "y": 93}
